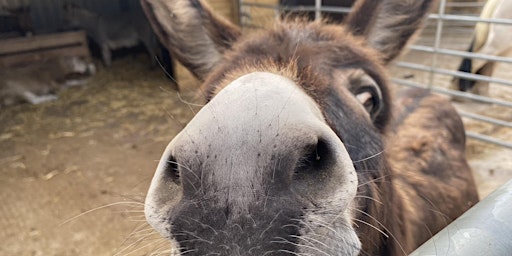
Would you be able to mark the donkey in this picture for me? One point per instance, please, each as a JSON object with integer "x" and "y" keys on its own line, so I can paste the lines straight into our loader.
{"x": 296, "y": 151}
{"x": 491, "y": 39}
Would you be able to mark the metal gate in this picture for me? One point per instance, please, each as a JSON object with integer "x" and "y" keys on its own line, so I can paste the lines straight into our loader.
{"x": 433, "y": 61}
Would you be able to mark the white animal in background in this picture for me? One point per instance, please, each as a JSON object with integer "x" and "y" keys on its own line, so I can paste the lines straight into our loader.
{"x": 490, "y": 39}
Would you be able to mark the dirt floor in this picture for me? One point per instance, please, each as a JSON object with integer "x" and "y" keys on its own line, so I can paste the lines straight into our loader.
{"x": 74, "y": 172}
{"x": 94, "y": 150}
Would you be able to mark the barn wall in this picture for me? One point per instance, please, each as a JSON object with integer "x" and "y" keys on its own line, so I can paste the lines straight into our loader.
{"x": 47, "y": 14}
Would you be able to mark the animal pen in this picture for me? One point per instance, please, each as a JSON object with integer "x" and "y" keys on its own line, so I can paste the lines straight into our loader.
{"x": 433, "y": 61}
{"x": 74, "y": 171}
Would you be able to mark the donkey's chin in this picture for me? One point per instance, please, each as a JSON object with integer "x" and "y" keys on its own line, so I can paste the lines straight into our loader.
{"x": 338, "y": 238}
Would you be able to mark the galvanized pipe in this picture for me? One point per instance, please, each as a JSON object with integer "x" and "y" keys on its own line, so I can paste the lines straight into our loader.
{"x": 485, "y": 229}
{"x": 318, "y": 11}
{"x": 489, "y": 139}
{"x": 485, "y": 119}
{"x": 429, "y": 49}
{"x": 469, "y": 19}
{"x": 414, "y": 66}
{"x": 437, "y": 42}
{"x": 455, "y": 93}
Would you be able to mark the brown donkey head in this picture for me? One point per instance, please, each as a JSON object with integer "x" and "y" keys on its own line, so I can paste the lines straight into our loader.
{"x": 281, "y": 159}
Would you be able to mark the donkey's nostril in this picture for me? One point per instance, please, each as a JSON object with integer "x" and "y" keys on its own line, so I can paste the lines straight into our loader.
{"x": 316, "y": 158}
{"x": 172, "y": 170}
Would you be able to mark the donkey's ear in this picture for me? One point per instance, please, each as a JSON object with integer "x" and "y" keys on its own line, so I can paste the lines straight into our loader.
{"x": 388, "y": 25}
{"x": 191, "y": 32}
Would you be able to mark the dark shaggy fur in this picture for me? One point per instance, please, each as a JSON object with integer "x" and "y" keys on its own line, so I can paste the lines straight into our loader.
{"x": 413, "y": 177}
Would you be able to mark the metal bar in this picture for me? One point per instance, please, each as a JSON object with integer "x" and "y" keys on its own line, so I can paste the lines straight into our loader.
{"x": 485, "y": 229}
{"x": 429, "y": 49}
{"x": 485, "y": 119}
{"x": 318, "y": 7}
{"x": 437, "y": 42}
{"x": 240, "y": 11}
{"x": 465, "y": 18}
{"x": 455, "y": 93}
{"x": 334, "y": 9}
{"x": 488, "y": 139}
{"x": 420, "y": 67}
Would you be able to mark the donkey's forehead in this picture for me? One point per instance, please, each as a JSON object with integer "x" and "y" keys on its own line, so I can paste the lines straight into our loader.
{"x": 253, "y": 100}
{"x": 305, "y": 53}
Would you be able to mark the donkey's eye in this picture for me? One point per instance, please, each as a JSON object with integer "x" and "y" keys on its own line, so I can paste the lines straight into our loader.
{"x": 370, "y": 97}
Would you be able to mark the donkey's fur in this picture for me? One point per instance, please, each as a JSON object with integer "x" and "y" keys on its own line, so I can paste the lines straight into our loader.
{"x": 232, "y": 183}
